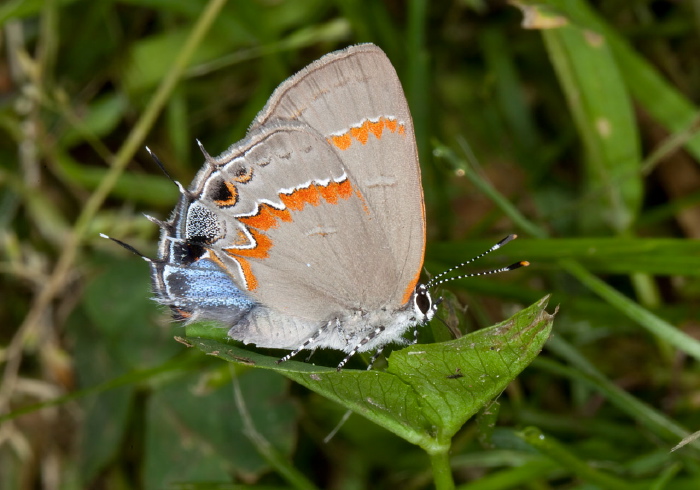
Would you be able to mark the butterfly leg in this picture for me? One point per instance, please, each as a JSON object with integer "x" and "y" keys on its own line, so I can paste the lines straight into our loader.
{"x": 374, "y": 358}
{"x": 373, "y": 334}
{"x": 306, "y": 343}
{"x": 308, "y": 358}
{"x": 341, "y": 332}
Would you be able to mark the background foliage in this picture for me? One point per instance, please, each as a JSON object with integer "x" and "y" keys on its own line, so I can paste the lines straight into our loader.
{"x": 575, "y": 130}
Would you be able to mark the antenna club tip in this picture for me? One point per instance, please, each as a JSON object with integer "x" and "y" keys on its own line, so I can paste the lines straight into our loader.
{"x": 517, "y": 265}
{"x": 507, "y": 239}
{"x": 105, "y": 236}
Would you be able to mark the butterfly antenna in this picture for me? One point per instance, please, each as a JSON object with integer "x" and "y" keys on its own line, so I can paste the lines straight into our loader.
{"x": 126, "y": 246}
{"x": 511, "y": 267}
{"x": 434, "y": 281}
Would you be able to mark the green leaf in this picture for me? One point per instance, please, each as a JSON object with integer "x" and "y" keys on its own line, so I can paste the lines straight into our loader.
{"x": 128, "y": 343}
{"x": 105, "y": 421}
{"x": 602, "y": 110}
{"x": 101, "y": 117}
{"x": 151, "y": 58}
{"x": 418, "y": 397}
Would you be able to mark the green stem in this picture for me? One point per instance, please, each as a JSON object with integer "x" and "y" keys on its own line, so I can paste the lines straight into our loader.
{"x": 442, "y": 472}
{"x": 461, "y": 166}
{"x": 283, "y": 467}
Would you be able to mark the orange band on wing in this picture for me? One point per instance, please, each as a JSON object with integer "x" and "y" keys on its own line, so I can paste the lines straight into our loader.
{"x": 250, "y": 279}
{"x": 297, "y": 199}
{"x": 266, "y": 218}
{"x": 343, "y": 141}
{"x": 361, "y": 133}
{"x": 263, "y": 244}
{"x": 269, "y": 217}
{"x": 259, "y": 251}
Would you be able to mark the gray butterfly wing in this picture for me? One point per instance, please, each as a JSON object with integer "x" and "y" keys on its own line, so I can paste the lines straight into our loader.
{"x": 298, "y": 235}
{"x": 280, "y": 215}
{"x": 355, "y": 100}
{"x": 316, "y": 215}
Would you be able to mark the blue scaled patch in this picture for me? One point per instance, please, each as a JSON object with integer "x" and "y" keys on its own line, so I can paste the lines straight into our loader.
{"x": 202, "y": 285}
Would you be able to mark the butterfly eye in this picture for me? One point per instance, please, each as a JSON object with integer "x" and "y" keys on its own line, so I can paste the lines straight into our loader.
{"x": 423, "y": 301}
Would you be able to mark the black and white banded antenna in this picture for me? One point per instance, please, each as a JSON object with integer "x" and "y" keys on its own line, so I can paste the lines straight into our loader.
{"x": 436, "y": 281}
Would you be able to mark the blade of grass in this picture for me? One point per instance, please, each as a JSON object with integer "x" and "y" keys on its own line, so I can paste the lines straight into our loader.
{"x": 647, "y": 320}
{"x": 652, "y": 323}
{"x": 660, "y": 256}
{"x": 600, "y": 106}
{"x": 521, "y": 476}
{"x": 664, "y": 102}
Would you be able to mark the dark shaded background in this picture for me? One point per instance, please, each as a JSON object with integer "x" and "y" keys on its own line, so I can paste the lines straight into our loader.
{"x": 590, "y": 142}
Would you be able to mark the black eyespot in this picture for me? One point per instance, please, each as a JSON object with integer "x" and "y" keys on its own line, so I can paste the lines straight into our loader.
{"x": 221, "y": 193}
{"x": 188, "y": 252}
{"x": 195, "y": 250}
{"x": 242, "y": 173}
